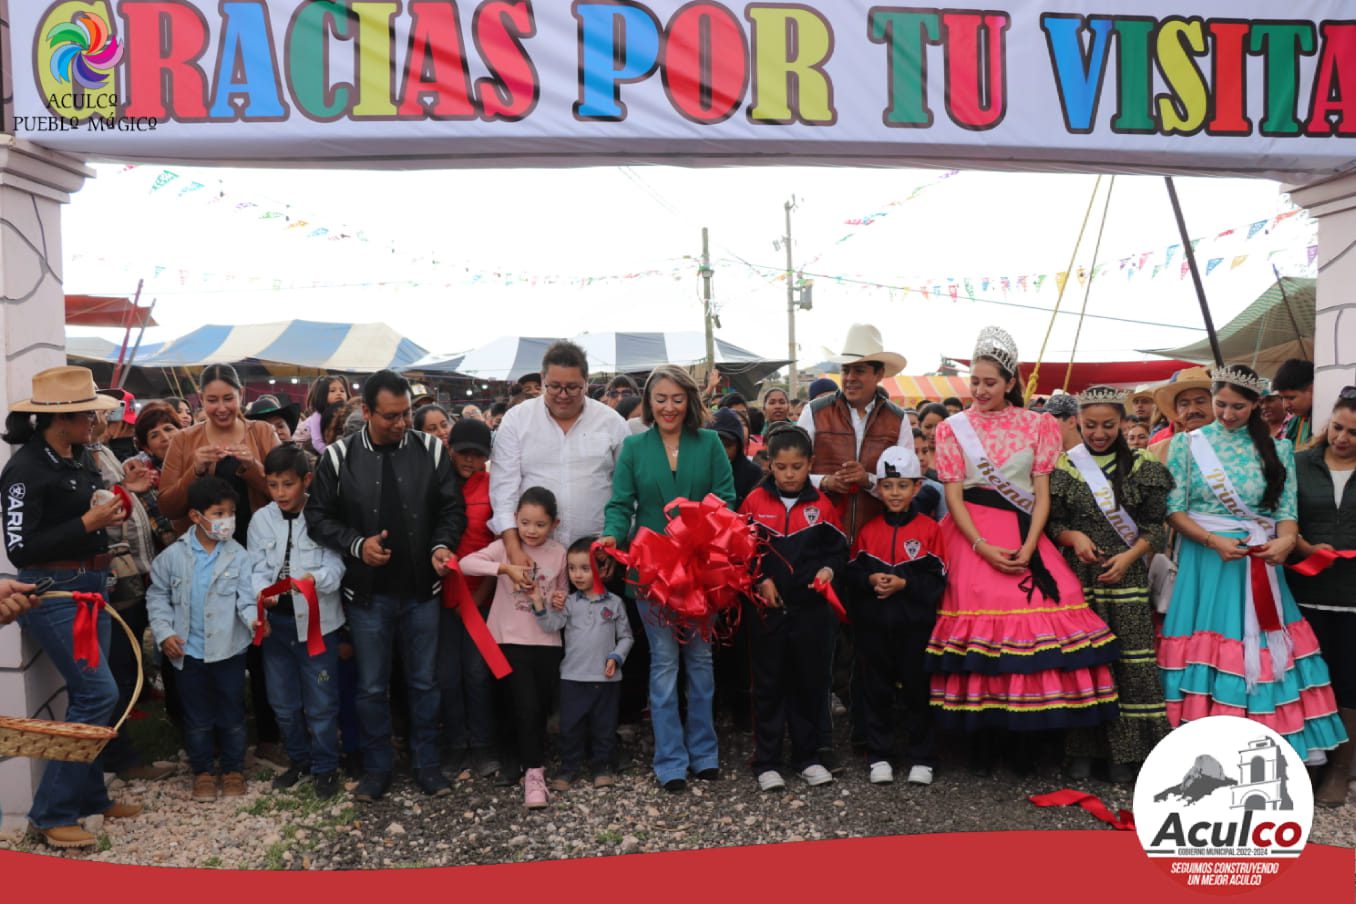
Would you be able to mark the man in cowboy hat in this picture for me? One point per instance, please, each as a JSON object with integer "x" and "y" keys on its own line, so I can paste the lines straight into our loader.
{"x": 283, "y": 418}
{"x": 852, "y": 426}
{"x": 1185, "y": 402}
{"x": 1141, "y": 405}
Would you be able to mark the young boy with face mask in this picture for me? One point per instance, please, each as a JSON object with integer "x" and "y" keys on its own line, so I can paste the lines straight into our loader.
{"x": 202, "y": 615}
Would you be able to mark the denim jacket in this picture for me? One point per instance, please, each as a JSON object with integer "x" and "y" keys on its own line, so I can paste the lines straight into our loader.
{"x": 228, "y": 619}
{"x": 267, "y": 543}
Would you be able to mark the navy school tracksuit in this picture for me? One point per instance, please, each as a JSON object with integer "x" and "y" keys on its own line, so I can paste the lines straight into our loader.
{"x": 892, "y": 633}
{"x": 792, "y": 646}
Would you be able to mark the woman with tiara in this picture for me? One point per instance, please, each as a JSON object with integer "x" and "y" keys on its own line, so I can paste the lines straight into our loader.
{"x": 1015, "y": 646}
{"x": 1107, "y": 510}
{"x": 1234, "y": 641}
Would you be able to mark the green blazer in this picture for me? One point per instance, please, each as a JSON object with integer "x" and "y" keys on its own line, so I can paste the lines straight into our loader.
{"x": 642, "y": 483}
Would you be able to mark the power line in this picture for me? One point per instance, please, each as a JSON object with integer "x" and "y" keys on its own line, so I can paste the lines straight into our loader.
{"x": 975, "y": 298}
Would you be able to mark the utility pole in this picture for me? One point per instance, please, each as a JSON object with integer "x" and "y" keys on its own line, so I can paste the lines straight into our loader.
{"x": 706, "y": 274}
{"x": 792, "y": 377}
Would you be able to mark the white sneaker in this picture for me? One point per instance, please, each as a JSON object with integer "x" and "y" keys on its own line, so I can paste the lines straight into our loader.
{"x": 881, "y": 773}
{"x": 771, "y": 780}
{"x": 816, "y": 775}
{"x": 920, "y": 775}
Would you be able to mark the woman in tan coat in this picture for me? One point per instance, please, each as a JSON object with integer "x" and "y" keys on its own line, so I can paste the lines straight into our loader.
{"x": 225, "y": 445}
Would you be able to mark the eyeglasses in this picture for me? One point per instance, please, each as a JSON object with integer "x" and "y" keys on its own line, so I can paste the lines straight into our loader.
{"x": 619, "y": 393}
{"x": 566, "y": 389}
{"x": 1347, "y": 392}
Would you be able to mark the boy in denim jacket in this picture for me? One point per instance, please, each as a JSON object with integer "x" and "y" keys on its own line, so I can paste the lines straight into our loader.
{"x": 302, "y": 689}
{"x": 201, "y": 614}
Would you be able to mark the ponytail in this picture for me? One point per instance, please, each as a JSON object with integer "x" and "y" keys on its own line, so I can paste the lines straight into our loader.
{"x": 20, "y": 426}
{"x": 1272, "y": 469}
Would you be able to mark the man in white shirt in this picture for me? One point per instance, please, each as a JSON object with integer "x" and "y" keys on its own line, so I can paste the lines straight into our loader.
{"x": 563, "y": 441}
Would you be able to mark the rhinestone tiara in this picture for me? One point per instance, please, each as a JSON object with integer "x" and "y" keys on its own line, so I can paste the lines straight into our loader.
{"x": 1240, "y": 378}
{"x": 1101, "y": 395}
{"x": 995, "y": 343}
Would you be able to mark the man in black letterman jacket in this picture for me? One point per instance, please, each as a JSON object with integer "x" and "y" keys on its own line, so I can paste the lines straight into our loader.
{"x": 389, "y": 500}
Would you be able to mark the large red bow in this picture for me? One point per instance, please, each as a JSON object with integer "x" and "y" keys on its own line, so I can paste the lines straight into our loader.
{"x": 85, "y": 631}
{"x": 457, "y": 595}
{"x": 315, "y": 637}
{"x": 702, "y": 565}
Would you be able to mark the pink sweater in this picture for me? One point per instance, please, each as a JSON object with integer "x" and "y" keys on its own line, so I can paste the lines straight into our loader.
{"x": 511, "y": 619}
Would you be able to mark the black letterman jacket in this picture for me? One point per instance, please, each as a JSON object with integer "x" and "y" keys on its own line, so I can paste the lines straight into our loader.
{"x": 345, "y": 504}
{"x": 43, "y": 497}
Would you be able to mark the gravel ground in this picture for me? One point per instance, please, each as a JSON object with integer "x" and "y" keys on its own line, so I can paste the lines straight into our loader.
{"x": 481, "y": 823}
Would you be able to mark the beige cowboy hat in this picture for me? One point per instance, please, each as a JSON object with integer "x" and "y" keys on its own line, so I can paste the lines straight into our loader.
{"x": 62, "y": 390}
{"x": 863, "y": 344}
{"x": 1165, "y": 396}
{"x": 1142, "y": 391}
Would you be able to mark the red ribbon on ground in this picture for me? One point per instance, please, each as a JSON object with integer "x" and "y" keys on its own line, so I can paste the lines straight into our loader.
{"x": 1321, "y": 560}
{"x": 457, "y": 595}
{"x": 825, "y": 589}
{"x": 1123, "y": 820}
{"x": 702, "y": 565}
{"x": 85, "y": 631}
{"x": 315, "y": 637}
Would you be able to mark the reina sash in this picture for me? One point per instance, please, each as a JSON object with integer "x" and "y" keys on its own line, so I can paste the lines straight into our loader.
{"x": 974, "y": 451}
{"x": 1262, "y": 593}
{"x": 1105, "y": 496}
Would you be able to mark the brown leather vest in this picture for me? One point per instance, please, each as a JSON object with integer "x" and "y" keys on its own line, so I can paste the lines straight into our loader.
{"x": 836, "y": 444}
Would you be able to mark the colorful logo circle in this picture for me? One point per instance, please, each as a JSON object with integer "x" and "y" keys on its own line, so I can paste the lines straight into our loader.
{"x": 1223, "y": 804}
{"x": 84, "y": 51}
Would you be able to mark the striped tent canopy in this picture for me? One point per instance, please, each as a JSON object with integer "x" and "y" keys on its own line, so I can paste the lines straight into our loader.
{"x": 302, "y": 344}
{"x": 928, "y": 387}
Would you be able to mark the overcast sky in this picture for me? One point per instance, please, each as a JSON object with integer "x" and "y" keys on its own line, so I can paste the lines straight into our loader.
{"x": 455, "y": 258}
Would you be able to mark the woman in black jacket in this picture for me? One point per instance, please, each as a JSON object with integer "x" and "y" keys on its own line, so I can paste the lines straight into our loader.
{"x": 1327, "y": 521}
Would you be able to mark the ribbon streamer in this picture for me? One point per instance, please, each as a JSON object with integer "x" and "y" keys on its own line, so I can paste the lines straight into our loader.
{"x": 1122, "y": 820}
{"x": 85, "y": 630}
{"x": 596, "y": 549}
{"x": 315, "y": 638}
{"x": 457, "y": 595}
{"x": 701, "y": 566}
{"x": 1264, "y": 601}
{"x": 1321, "y": 560}
{"x": 825, "y": 589}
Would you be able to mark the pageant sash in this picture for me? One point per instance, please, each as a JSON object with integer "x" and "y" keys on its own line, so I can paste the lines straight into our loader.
{"x": 974, "y": 450}
{"x": 1262, "y": 591}
{"x": 1116, "y": 516}
{"x": 315, "y": 638}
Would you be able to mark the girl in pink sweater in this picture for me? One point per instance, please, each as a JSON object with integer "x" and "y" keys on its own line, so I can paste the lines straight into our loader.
{"x": 533, "y": 653}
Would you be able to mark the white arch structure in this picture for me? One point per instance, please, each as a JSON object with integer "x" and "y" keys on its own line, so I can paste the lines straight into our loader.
{"x": 1228, "y": 87}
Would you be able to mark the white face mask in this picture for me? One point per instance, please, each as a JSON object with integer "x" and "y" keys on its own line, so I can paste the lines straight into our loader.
{"x": 221, "y": 529}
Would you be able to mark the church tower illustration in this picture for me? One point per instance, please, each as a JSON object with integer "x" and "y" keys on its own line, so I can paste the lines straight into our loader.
{"x": 1261, "y": 778}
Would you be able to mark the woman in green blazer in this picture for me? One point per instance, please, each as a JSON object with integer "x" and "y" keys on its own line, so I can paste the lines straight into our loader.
{"x": 674, "y": 458}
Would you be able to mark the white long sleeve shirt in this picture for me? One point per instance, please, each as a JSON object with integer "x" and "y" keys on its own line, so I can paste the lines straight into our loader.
{"x": 531, "y": 450}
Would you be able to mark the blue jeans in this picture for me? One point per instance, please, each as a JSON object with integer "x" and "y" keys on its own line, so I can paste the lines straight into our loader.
{"x": 464, "y": 682}
{"x": 304, "y": 693}
{"x": 678, "y": 748}
{"x": 414, "y": 625}
{"x": 69, "y": 791}
{"x": 213, "y": 697}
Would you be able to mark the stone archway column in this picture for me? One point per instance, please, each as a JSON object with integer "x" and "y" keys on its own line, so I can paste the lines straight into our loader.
{"x": 34, "y": 183}
{"x": 1333, "y": 203}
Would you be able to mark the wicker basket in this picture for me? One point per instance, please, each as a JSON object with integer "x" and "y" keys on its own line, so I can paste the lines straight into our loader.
{"x": 74, "y": 742}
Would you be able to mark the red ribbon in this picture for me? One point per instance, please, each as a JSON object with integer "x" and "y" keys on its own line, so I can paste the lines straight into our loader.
{"x": 825, "y": 589}
{"x": 596, "y": 549}
{"x": 457, "y": 595}
{"x": 124, "y": 498}
{"x": 1321, "y": 560}
{"x": 85, "y": 631}
{"x": 1123, "y": 820}
{"x": 702, "y": 565}
{"x": 315, "y": 637}
{"x": 1263, "y": 600}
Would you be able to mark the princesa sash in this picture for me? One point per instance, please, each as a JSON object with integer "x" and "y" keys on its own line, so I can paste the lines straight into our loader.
{"x": 1105, "y": 496}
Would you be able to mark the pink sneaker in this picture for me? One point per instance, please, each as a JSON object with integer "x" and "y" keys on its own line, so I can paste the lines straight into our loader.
{"x": 534, "y": 789}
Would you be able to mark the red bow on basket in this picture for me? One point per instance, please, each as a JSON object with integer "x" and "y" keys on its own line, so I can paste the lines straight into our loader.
{"x": 85, "y": 630}
{"x": 700, "y": 566}
{"x": 315, "y": 637}
{"x": 457, "y": 595}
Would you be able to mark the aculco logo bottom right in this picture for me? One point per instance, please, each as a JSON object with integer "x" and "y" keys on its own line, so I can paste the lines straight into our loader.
{"x": 1224, "y": 804}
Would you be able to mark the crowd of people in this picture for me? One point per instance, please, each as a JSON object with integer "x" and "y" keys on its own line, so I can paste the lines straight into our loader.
{"x": 384, "y": 575}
